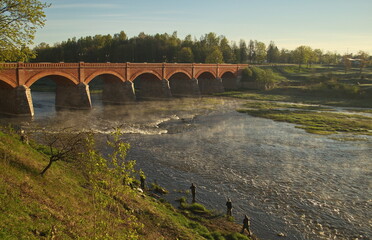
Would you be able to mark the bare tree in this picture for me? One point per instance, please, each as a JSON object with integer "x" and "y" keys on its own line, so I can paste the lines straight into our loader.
{"x": 63, "y": 146}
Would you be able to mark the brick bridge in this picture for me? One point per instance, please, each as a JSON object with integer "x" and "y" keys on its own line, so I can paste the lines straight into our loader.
{"x": 123, "y": 82}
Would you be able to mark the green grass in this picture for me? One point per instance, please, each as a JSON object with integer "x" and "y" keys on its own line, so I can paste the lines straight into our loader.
{"x": 275, "y": 105}
{"x": 318, "y": 122}
{"x": 61, "y": 204}
{"x": 301, "y": 94}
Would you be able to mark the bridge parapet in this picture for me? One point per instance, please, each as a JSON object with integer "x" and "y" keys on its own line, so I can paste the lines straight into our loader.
{"x": 48, "y": 65}
{"x": 103, "y": 65}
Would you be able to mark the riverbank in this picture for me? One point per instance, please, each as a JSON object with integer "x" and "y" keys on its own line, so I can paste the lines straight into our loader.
{"x": 320, "y": 100}
{"x": 66, "y": 204}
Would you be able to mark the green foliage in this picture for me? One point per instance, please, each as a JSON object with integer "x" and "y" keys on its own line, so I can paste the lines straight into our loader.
{"x": 215, "y": 56}
{"x": 19, "y": 20}
{"x": 335, "y": 89}
{"x": 273, "y": 53}
{"x": 264, "y": 78}
{"x": 247, "y": 75}
{"x": 260, "y": 52}
{"x": 109, "y": 178}
{"x": 185, "y": 55}
{"x": 210, "y": 48}
{"x": 302, "y": 54}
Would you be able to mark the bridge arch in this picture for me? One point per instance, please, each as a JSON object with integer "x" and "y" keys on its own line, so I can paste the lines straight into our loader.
{"x": 178, "y": 71}
{"x": 111, "y": 86}
{"x": 104, "y": 74}
{"x": 148, "y": 85}
{"x": 208, "y": 83}
{"x": 7, "y": 83}
{"x": 229, "y": 80}
{"x": 146, "y": 74}
{"x": 181, "y": 84}
{"x": 205, "y": 75}
{"x": 59, "y": 77}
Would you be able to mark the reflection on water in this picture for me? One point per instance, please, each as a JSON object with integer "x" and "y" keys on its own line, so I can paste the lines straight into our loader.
{"x": 307, "y": 186}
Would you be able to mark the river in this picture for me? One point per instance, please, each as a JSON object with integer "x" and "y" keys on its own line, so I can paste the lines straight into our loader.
{"x": 287, "y": 181}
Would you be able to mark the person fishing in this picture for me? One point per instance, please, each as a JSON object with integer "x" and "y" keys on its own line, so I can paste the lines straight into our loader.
{"x": 246, "y": 225}
{"x": 229, "y": 207}
{"x": 193, "y": 192}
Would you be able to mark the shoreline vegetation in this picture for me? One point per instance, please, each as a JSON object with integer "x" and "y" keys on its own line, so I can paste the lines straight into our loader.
{"x": 84, "y": 198}
{"x": 311, "y": 99}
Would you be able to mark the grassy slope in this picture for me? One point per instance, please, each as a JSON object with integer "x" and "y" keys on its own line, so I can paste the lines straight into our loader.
{"x": 60, "y": 205}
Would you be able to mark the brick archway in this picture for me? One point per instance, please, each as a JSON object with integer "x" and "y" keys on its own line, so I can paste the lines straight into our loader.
{"x": 209, "y": 84}
{"x": 228, "y": 74}
{"x": 103, "y": 73}
{"x": 141, "y": 73}
{"x": 5, "y": 82}
{"x": 205, "y": 73}
{"x": 178, "y": 71}
{"x": 60, "y": 76}
{"x": 182, "y": 84}
{"x": 229, "y": 80}
{"x": 148, "y": 85}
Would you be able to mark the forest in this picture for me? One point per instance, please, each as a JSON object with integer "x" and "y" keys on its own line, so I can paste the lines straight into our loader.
{"x": 209, "y": 48}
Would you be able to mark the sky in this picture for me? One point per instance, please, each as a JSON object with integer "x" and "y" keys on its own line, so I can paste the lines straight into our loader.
{"x": 344, "y": 26}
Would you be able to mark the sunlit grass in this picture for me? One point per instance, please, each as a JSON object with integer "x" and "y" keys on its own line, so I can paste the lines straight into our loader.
{"x": 301, "y": 94}
{"x": 276, "y": 105}
{"x": 318, "y": 122}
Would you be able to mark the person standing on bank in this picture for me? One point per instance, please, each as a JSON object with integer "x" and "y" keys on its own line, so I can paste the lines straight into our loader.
{"x": 193, "y": 192}
{"x": 246, "y": 225}
{"x": 142, "y": 180}
{"x": 229, "y": 207}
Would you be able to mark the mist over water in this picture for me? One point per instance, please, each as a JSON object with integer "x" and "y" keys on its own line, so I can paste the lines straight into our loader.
{"x": 304, "y": 185}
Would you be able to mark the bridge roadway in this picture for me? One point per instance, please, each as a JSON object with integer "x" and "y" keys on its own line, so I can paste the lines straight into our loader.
{"x": 123, "y": 82}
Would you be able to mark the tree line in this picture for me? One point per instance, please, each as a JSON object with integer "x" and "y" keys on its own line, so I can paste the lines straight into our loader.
{"x": 20, "y": 19}
{"x": 209, "y": 48}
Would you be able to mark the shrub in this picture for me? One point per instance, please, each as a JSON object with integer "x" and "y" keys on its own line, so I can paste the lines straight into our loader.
{"x": 195, "y": 208}
{"x": 335, "y": 89}
{"x": 247, "y": 75}
{"x": 263, "y": 78}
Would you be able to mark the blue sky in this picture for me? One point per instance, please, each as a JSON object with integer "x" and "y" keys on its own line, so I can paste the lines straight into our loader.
{"x": 336, "y": 25}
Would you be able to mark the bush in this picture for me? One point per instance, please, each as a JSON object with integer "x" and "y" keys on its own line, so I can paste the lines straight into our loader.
{"x": 247, "y": 75}
{"x": 195, "y": 208}
{"x": 335, "y": 89}
{"x": 264, "y": 78}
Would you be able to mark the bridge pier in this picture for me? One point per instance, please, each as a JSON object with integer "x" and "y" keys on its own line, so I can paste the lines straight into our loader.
{"x": 73, "y": 96}
{"x": 17, "y": 101}
{"x": 166, "y": 89}
{"x": 195, "y": 87}
{"x": 118, "y": 92}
